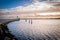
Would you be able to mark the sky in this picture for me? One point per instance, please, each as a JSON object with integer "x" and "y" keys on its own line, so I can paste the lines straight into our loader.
{"x": 19, "y": 4}
{"x": 13, "y": 3}
{"x": 7, "y": 4}
{"x": 22, "y": 6}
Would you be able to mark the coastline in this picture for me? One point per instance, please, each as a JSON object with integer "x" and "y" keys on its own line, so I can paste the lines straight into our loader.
{"x": 5, "y": 33}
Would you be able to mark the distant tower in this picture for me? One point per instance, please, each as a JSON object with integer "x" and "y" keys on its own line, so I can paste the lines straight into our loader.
{"x": 17, "y": 17}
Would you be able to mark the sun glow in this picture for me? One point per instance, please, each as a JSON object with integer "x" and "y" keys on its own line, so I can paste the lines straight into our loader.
{"x": 49, "y": 13}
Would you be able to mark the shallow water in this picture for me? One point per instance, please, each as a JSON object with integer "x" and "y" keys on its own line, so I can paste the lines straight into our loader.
{"x": 43, "y": 29}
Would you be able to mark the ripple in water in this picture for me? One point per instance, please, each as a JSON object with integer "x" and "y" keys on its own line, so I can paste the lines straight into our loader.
{"x": 38, "y": 30}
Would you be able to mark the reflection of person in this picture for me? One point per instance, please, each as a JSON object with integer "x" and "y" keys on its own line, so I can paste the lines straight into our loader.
{"x": 25, "y": 20}
{"x": 30, "y": 21}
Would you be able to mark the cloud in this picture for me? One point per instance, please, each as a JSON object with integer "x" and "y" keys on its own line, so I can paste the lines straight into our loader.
{"x": 29, "y": 8}
{"x": 35, "y": 7}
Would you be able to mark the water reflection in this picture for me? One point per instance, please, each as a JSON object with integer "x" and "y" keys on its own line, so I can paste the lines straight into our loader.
{"x": 38, "y": 30}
